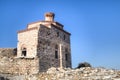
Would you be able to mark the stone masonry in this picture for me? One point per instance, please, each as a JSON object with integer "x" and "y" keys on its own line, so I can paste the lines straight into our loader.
{"x": 47, "y": 41}
{"x": 11, "y": 65}
{"x": 42, "y": 45}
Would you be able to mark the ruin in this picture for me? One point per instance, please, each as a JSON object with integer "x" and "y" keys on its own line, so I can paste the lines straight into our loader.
{"x": 42, "y": 45}
{"x": 43, "y": 53}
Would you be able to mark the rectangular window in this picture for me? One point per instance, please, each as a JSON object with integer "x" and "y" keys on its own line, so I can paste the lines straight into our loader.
{"x": 66, "y": 57}
{"x": 24, "y": 53}
{"x": 64, "y": 37}
{"x": 56, "y": 54}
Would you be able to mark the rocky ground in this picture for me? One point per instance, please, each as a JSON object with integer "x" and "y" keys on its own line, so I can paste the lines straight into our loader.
{"x": 85, "y": 73}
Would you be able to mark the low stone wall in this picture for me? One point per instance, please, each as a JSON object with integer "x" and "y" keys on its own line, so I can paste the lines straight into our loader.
{"x": 8, "y": 52}
{"x": 19, "y": 66}
{"x": 11, "y": 65}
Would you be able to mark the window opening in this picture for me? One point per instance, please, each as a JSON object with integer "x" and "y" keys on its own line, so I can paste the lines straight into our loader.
{"x": 64, "y": 37}
{"x": 66, "y": 57}
{"x": 56, "y": 54}
{"x": 66, "y": 54}
{"x": 24, "y": 52}
{"x": 56, "y": 51}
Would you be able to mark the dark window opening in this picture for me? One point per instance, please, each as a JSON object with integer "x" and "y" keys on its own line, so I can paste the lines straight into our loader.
{"x": 64, "y": 37}
{"x": 24, "y": 52}
{"x": 66, "y": 57}
{"x": 56, "y": 54}
{"x": 57, "y": 34}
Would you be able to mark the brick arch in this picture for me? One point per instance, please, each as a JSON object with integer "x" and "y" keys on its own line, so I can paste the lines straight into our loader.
{"x": 23, "y": 46}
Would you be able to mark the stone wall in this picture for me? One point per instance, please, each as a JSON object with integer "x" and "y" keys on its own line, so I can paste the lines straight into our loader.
{"x": 8, "y": 52}
{"x": 19, "y": 66}
{"x": 48, "y": 39}
{"x": 28, "y": 39}
{"x": 39, "y": 40}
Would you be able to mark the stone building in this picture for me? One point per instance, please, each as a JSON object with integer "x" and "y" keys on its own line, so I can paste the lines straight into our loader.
{"x": 47, "y": 42}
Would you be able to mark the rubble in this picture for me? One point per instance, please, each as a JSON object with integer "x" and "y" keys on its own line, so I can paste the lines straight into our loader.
{"x": 85, "y": 73}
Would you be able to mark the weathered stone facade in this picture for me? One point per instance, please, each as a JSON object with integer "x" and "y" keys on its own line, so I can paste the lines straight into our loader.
{"x": 47, "y": 41}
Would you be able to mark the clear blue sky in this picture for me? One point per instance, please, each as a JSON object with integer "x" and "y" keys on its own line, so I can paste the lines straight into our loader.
{"x": 94, "y": 25}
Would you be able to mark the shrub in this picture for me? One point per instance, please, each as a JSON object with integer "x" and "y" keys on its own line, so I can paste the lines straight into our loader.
{"x": 84, "y": 64}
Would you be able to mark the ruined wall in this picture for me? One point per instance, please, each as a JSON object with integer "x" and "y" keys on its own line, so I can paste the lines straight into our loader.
{"x": 19, "y": 66}
{"x": 8, "y": 52}
{"x": 11, "y": 65}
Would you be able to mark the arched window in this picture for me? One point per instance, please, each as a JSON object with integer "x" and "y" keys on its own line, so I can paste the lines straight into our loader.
{"x": 24, "y": 52}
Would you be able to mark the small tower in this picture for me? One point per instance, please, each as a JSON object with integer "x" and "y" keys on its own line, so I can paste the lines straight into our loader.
{"x": 49, "y": 16}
